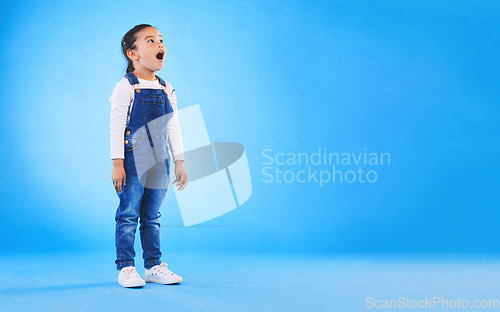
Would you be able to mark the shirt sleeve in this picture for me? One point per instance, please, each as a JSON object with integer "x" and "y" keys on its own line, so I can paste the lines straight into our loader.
{"x": 120, "y": 103}
{"x": 173, "y": 129}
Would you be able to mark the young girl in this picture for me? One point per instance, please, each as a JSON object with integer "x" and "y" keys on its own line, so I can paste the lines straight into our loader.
{"x": 143, "y": 118}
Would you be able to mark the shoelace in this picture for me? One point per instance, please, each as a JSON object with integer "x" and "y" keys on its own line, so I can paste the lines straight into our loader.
{"x": 130, "y": 272}
{"x": 163, "y": 268}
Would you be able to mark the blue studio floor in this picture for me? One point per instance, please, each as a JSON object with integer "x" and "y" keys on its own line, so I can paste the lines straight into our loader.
{"x": 238, "y": 282}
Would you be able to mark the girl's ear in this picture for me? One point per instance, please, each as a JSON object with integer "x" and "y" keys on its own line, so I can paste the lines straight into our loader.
{"x": 131, "y": 54}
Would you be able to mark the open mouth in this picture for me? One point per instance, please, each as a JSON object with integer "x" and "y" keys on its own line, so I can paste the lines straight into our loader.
{"x": 160, "y": 55}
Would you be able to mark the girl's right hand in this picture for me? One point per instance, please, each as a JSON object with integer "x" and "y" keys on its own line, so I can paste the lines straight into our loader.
{"x": 118, "y": 176}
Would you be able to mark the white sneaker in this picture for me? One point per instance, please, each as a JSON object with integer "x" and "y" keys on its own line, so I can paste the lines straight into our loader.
{"x": 129, "y": 277}
{"x": 160, "y": 274}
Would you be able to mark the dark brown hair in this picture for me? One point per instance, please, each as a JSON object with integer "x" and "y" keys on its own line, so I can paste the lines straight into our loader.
{"x": 128, "y": 42}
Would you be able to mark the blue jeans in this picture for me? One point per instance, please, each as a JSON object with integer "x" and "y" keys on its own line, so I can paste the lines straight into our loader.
{"x": 139, "y": 202}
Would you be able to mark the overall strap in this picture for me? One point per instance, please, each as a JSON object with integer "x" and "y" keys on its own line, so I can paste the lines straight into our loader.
{"x": 163, "y": 84}
{"x": 161, "y": 80}
{"x": 132, "y": 79}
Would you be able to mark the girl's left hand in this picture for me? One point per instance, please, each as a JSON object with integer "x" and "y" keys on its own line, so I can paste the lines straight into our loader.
{"x": 180, "y": 175}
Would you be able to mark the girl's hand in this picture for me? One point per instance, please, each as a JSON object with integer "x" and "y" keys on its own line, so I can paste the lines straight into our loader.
{"x": 180, "y": 175}
{"x": 118, "y": 176}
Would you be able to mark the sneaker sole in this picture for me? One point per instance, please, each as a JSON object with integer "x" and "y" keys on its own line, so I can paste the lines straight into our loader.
{"x": 154, "y": 280}
{"x": 133, "y": 285}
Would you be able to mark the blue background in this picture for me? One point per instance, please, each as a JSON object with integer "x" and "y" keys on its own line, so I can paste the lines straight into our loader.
{"x": 416, "y": 79}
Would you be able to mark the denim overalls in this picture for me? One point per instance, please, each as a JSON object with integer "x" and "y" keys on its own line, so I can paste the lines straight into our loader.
{"x": 147, "y": 166}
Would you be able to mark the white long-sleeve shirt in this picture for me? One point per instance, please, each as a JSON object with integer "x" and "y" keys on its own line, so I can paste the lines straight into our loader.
{"x": 122, "y": 101}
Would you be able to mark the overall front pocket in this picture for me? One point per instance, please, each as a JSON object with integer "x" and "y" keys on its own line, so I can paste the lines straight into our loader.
{"x": 153, "y": 107}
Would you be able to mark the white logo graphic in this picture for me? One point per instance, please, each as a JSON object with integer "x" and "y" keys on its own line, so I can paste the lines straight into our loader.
{"x": 211, "y": 172}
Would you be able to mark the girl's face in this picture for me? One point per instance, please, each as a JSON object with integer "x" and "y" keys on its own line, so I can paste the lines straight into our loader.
{"x": 149, "y": 51}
